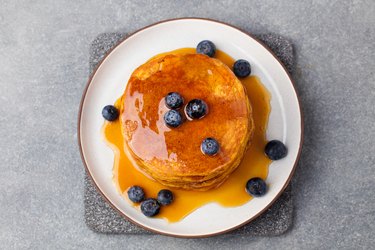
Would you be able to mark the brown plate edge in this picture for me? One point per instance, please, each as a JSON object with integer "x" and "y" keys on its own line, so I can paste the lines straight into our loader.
{"x": 169, "y": 234}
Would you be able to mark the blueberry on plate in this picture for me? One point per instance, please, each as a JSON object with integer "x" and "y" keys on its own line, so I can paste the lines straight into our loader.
{"x": 256, "y": 187}
{"x": 241, "y": 68}
{"x": 136, "y": 194}
{"x": 196, "y": 109}
{"x": 165, "y": 197}
{"x": 173, "y": 118}
{"x": 207, "y": 48}
{"x": 150, "y": 207}
{"x": 110, "y": 113}
{"x": 275, "y": 150}
{"x": 174, "y": 100}
{"x": 210, "y": 146}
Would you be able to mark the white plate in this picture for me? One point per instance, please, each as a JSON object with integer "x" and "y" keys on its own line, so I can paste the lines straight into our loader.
{"x": 108, "y": 83}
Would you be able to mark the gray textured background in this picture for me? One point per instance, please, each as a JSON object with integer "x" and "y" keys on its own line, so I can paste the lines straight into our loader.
{"x": 44, "y": 50}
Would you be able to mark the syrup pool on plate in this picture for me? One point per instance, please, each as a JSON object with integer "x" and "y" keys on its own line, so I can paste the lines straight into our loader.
{"x": 232, "y": 192}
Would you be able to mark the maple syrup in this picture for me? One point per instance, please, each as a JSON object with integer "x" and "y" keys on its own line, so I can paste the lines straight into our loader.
{"x": 232, "y": 192}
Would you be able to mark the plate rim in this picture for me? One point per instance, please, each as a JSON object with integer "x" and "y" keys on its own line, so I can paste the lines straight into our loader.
{"x": 130, "y": 34}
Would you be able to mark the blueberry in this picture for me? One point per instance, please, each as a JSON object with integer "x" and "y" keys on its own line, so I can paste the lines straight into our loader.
{"x": 196, "y": 109}
{"x": 256, "y": 187}
{"x": 210, "y": 146}
{"x": 173, "y": 118}
{"x": 165, "y": 197}
{"x": 150, "y": 207}
{"x": 110, "y": 113}
{"x": 275, "y": 150}
{"x": 174, "y": 100}
{"x": 241, "y": 68}
{"x": 136, "y": 194}
{"x": 207, "y": 48}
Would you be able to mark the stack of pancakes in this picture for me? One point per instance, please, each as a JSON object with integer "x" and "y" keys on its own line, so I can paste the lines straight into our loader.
{"x": 172, "y": 156}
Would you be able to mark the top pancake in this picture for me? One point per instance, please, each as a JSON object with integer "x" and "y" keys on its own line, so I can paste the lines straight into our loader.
{"x": 172, "y": 156}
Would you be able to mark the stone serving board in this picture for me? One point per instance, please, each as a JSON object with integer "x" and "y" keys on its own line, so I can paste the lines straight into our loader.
{"x": 102, "y": 218}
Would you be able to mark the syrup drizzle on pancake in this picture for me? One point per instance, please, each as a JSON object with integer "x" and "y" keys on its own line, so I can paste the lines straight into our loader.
{"x": 232, "y": 192}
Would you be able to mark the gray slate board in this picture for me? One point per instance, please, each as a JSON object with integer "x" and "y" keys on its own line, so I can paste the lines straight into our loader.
{"x": 101, "y": 218}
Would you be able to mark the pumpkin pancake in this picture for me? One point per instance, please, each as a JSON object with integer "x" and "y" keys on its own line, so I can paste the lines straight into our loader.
{"x": 173, "y": 156}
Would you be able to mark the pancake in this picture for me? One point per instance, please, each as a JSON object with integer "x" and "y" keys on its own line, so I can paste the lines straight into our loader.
{"x": 172, "y": 156}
